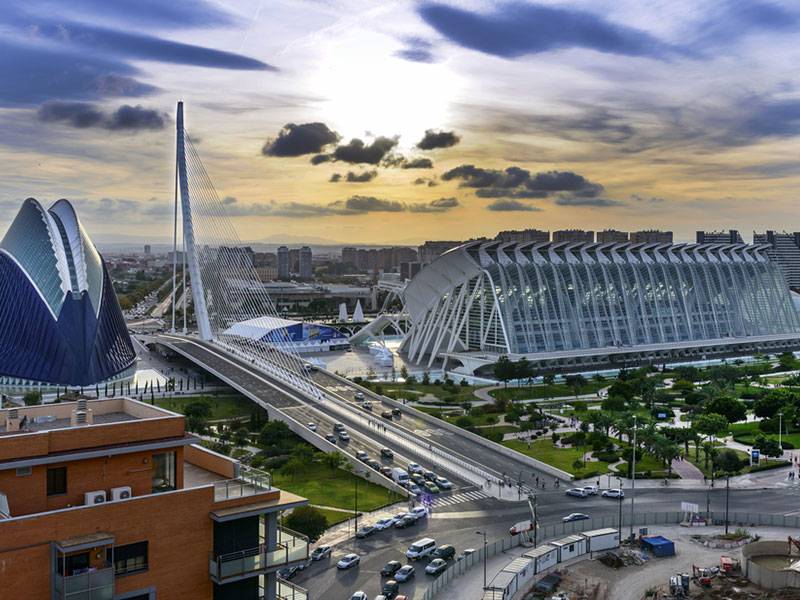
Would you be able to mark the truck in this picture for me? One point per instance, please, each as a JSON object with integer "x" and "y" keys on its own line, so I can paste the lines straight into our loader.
{"x": 399, "y": 476}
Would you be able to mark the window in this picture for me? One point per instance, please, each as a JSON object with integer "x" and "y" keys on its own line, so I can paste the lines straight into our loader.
{"x": 130, "y": 558}
{"x": 163, "y": 472}
{"x": 56, "y": 481}
{"x": 74, "y": 564}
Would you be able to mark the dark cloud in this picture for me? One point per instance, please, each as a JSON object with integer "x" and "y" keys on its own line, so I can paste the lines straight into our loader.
{"x": 297, "y": 140}
{"x": 83, "y": 115}
{"x": 516, "y": 29}
{"x": 363, "y": 177}
{"x": 477, "y": 177}
{"x": 417, "y": 163}
{"x": 357, "y": 152}
{"x": 417, "y": 50}
{"x": 429, "y": 181}
{"x": 515, "y": 182}
{"x": 439, "y": 205}
{"x": 564, "y": 181}
{"x": 42, "y": 73}
{"x": 335, "y": 178}
{"x": 366, "y": 204}
{"x": 125, "y": 209}
{"x": 579, "y": 201}
{"x": 742, "y": 18}
{"x": 438, "y": 139}
{"x": 493, "y": 192}
{"x": 507, "y": 205}
{"x": 318, "y": 159}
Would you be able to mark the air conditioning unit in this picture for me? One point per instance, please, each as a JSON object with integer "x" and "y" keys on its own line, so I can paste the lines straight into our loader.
{"x": 121, "y": 493}
{"x": 97, "y": 497}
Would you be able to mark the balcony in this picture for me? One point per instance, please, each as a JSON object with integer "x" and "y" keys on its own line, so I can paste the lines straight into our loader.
{"x": 290, "y": 591}
{"x": 251, "y": 481}
{"x": 96, "y": 584}
{"x": 292, "y": 547}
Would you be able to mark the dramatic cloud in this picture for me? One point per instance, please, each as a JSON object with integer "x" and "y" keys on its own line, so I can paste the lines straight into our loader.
{"x": 515, "y": 182}
{"x": 124, "y": 209}
{"x": 440, "y": 205}
{"x": 351, "y": 177}
{"x": 417, "y": 163}
{"x": 367, "y": 204}
{"x": 357, "y": 152}
{"x": 335, "y": 178}
{"x": 516, "y": 29}
{"x": 297, "y": 140}
{"x": 426, "y": 181}
{"x": 579, "y": 201}
{"x": 438, "y": 139}
{"x": 83, "y": 115}
{"x": 505, "y": 205}
{"x": 417, "y": 50}
{"x": 318, "y": 159}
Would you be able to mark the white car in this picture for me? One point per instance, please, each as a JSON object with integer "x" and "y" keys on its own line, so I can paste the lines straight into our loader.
{"x": 405, "y": 573}
{"x": 348, "y": 560}
{"x": 359, "y": 595}
{"x": 321, "y": 552}
{"x": 577, "y": 492}
{"x": 591, "y": 490}
{"x": 613, "y": 494}
{"x": 443, "y": 484}
{"x": 312, "y": 426}
{"x": 419, "y": 512}
{"x": 415, "y": 468}
{"x": 382, "y": 524}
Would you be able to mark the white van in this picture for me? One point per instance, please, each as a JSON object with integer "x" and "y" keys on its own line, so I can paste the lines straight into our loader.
{"x": 399, "y": 476}
{"x": 421, "y": 548}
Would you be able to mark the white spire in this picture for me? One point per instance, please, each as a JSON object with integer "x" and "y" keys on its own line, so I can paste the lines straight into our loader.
{"x": 358, "y": 313}
{"x": 343, "y": 312}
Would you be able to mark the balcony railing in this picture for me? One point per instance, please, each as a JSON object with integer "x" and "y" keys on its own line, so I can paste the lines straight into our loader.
{"x": 250, "y": 481}
{"x": 290, "y": 591}
{"x": 291, "y": 547}
{"x": 97, "y": 584}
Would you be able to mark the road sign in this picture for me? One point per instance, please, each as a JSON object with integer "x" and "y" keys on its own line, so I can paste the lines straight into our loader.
{"x": 755, "y": 456}
{"x": 690, "y": 507}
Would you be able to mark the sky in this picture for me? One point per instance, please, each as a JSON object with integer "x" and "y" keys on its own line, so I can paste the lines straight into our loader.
{"x": 395, "y": 122}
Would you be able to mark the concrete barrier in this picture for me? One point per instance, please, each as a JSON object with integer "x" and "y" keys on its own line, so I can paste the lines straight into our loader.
{"x": 763, "y": 576}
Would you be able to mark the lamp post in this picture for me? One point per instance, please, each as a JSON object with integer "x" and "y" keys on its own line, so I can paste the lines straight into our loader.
{"x": 633, "y": 473}
{"x": 620, "y": 506}
{"x": 780, "y": 431}
{"x": 483, "y": 533}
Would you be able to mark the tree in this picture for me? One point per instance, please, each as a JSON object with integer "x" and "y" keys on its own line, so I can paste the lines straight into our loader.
{"x": 622, "y": 389}
{"x": 682, "y": 387}
{"x": 709, "y": 424}
{"x": 768, "y": 446}
{"x": 333, "y": 460}
{"x": 787, "y": 361}
{"x": 404, "y": 373}
{"x": 613, "y": 403}
{"x": 277, "y": 434}
{"x": 524, "y": 369}
{"x": 32, "y": 398}
{"x": 293, "y": 466}
{"x": 710, "y": 453}
{"x": 771, "y": 403}
{"x": 728, "y": 462}
{"x": 732, "y": 409}
{"x": 576, "y": 383}
{"x": 426, "y": 378}
{"x": 504, "y": 370}
{"x": 307, "y": 520}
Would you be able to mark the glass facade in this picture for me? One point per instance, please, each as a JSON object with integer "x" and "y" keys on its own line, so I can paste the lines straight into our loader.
{"x": 556, "y": 297}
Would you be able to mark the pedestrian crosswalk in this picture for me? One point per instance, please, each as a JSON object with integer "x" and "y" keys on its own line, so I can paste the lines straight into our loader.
{"x": 459, "y": 498}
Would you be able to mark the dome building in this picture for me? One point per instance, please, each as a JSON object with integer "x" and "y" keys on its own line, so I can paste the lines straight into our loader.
{"x": 60, "y": 322}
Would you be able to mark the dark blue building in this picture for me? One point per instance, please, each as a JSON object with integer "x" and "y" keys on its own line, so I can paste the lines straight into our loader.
{"x": 60, "y": 322}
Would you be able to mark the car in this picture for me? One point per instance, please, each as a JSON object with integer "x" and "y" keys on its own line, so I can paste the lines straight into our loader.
{"x": 348, "y": 561}
{"x": 387, "y": 454}
{"x": 386, "y": 471}
{"x": 344, "y": 436}
{"x": 466, "y": 552}
{"x": 445, "y": 552}
{"x": 366, "y": 531}
{"x": 309, "y": 368}
{"x": 419, "y": 511}
{"x": 312, "y": 426}
{"x": 382, "y": 524}
{"x": 405, "y": 573}
{"x": 613, "y": 494}
{"x": 431, "y": 487}
{"x": 390, "y": 587}
{"x": 387, "y": 414}
{"x": 398, "y": 516}
{"x": 362, "y": 456}
{"x": 406, "y": 521}
{"x": 436, "y": 566}
{"x": 421, "y": 549}
{"x": 390, "y": 568}
{"x": 443, "y": 484}
{"x": 359, "y": 595}
{"x": 337, "y": 427}
{"x": 414, "y": 489}
{"x": 414, "y": 468}
{"x": 591, "y": 490}
{"x": 288, "y": 572}
{"x": 417, "y": 478}
{"x": 396, "y": 412}
{"x": 359, "y": 396}
{"x": 577, "y": 492}
{"x": 331, "y": 438}
{"x": 429, "y": 475}
{"x": 575, "y": 517}
{"x": 374, "y": 464}
{"x": 321, "y": 552}
{"x": 367, "y": 405}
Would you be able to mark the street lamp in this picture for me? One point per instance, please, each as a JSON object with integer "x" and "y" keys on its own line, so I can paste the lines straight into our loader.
{"x": 483, "y": 533}
{"x": 633, "y": 473}
{"x": 780, "y": 431}
{"x": 620, "y": 506}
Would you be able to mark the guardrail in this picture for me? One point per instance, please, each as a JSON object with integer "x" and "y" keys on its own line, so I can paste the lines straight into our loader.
{"x": 558, "y": 530}
{"x": 291, "y": 547}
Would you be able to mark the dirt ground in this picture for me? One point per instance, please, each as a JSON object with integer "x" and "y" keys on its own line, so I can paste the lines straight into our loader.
{"x": 600, "y": 582}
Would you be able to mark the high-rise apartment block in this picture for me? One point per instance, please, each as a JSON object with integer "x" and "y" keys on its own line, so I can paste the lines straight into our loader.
{"x": 431, "y": 250}
{"x": 283, "y": 262}
{"x": 651, "y": 236}
{"x": 785, "y": 251}
{"x": 611, "y": 236}
{"x": 718, "y": 237}
{"x": 524, "y": 236}
{"x": 114, "y": 499}
{"x": 573, "y": 235}
{"x": 306, "y": 270}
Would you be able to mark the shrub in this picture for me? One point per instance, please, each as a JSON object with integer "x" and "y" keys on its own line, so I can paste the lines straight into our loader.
{"x": 607, "y": 457}
{"x": 494, "y": 436}
{"x": 307, "y": 520}
{"x": 580, "y": 406}
{"x": 464, "y": 421}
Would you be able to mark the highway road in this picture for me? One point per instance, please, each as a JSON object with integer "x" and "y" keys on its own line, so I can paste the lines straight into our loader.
{"x": 457, "y": 525}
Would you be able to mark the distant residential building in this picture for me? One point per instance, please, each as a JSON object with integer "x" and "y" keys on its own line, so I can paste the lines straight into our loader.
{"x": 236, "y": 257}
{"x": 409, "y": 269}
{"x": 431, "y": 250}
{"x": 306, "y": 271}
{"x": 267, "y": 273}
{"x": 523, "y": 236}
{"x": 651, "y": 236}
{"x": 719, "y": 237}
{"x": 785, "y": 251}
{"x": 283, "y": 262}
{"x": 573, "y": 235}
{"x": 350, "y": 256}
{"x": 611, "y": 236}
{"x": 147, "y": 249}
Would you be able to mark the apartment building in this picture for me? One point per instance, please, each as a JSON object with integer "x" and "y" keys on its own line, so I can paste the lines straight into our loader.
{"x": 651, "y": 236}
{"x": 731, "y": 236}
{"x": 573, "y": 235}
{"x": 113, "y": 500}
{"x": 612, "y": 236}
{"x": 785, "y": 251}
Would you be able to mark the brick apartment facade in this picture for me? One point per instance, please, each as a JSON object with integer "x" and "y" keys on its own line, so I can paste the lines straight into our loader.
{"x": 177, "y": 521}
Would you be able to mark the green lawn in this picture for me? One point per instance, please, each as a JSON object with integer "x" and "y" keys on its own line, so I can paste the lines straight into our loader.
{"x": 222, "y": 407}
{"x": 644, "y": 463}
{"x": 335, "y": 517}
{"x": 334, "y": 488}
{"x": 554, "y": 390}
{"x": 746, "y": 433}
{"x": 561, "y": 458}
{"x": 701, "y": 463}
{"x": 455, "y": 394}
{"x": 501, "y": 429}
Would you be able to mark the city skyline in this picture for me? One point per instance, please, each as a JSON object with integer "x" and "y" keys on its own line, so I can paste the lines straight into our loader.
{"x": 610, "y": 116}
